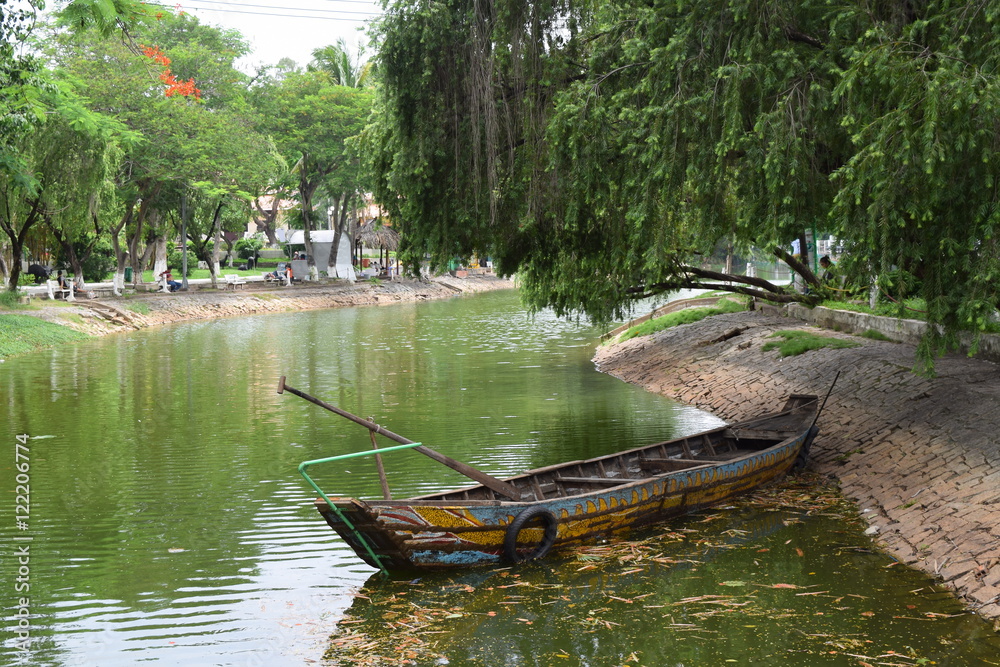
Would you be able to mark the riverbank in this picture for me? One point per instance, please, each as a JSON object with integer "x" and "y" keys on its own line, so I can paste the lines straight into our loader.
{"x": 98, "y": 317}
{"x": 918, "y": 455}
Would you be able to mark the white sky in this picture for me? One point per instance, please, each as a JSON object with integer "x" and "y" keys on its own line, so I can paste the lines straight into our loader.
{"x": 288, "y": 28}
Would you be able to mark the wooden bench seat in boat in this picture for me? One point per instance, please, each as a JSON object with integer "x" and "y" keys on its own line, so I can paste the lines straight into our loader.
{"x": 671, "y": 464}
{"x": 606, "y": 481}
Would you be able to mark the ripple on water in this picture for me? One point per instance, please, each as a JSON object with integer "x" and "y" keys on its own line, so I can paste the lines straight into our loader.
{"x": 170, "y": 522}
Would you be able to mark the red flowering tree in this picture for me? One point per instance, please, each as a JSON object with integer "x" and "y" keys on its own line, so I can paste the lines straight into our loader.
{"x": 173, "y": 86}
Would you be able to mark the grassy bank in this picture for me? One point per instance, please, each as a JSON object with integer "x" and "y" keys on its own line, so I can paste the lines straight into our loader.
{"x": 686, "y": 316}
{"x": 23, "y": 333}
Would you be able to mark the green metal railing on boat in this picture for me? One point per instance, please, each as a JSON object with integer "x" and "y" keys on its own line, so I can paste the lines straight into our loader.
{"x": 342, "y": 457}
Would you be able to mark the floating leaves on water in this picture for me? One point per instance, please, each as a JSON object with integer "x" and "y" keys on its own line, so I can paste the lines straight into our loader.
{"x": 615, "y": 592}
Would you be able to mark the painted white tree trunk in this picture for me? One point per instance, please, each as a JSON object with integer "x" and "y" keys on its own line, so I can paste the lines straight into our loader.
{"x": 340, "y": 261}
{"x": 118, "y": 283}
{"x": 160, "y": 257}
{"x": 215, "y": 255}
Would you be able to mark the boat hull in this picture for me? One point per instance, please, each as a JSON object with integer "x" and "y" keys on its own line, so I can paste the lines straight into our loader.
{"x": 429, "y": 533}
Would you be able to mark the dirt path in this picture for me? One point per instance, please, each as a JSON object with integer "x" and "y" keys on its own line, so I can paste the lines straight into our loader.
{"x": 920, "y": 456}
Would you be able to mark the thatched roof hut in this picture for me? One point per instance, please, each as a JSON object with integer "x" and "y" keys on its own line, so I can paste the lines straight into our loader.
{"x": 373, "y": 234}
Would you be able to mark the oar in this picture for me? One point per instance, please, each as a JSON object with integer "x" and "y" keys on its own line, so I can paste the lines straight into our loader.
{"x": 488, "y": 481}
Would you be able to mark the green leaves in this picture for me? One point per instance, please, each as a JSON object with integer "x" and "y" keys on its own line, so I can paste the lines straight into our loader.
{"x": 593, "y": 163}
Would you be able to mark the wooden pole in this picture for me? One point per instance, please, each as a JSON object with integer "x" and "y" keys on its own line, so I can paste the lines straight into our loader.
{"x": 378, "y": 464}
{"x": 501, "y": 487}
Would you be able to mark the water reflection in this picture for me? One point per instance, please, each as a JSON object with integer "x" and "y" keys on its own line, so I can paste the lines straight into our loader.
{"x": 169, "y": 523}
{"x": 741, "y": 586}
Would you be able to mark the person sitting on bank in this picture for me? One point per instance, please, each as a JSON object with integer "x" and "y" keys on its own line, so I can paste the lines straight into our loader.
{"x": 168, "y": 279}
{"x": 66, "y": 283}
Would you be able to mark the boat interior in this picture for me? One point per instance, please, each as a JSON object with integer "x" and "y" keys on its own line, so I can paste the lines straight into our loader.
{"x": 574, "y": 478}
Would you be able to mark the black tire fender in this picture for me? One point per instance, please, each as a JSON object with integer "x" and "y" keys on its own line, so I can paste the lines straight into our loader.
{"x": 551, "y": 524}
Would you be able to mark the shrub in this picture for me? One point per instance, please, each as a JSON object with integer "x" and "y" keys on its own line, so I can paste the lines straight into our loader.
{"x": 248, "y": 247}
{"x": 10, "y": 300}
{"x": 175, "y": 260}
{"x": 101, "y": 262}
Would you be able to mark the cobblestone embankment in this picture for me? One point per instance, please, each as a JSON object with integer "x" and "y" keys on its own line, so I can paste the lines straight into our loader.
{"x": 920, "y": 456}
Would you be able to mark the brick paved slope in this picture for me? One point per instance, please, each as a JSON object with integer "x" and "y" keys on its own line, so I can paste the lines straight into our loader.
{"x": 921, "y": 455}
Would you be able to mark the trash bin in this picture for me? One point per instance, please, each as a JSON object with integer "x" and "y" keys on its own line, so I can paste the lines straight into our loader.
{"x": 128, "y": 274}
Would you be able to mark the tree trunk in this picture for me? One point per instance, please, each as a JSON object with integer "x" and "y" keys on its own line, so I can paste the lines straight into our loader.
{"x": 74, "y": 258}
{"x": 213, "y": 266}
{"x": 134, "y": 239}
{"x": 160, "y": 256}
{"x": 331, "y": 264}
{"x": 121, "y": 255}
{"x": 147, "y": 253}
{"x": 306, "y": 190}
{"x": 266, "y": 219}
{"x": 230, "y": 252}
{"x": 17, "y": 240}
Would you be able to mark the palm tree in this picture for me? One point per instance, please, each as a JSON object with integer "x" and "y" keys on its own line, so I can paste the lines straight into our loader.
{"x": 343, "y": 70}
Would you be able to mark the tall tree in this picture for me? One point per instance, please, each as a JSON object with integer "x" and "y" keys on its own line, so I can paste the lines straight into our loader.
{"x": 343, "y": 68}
{"x": 313, "y": 123}
{"x": 71, "y": 156}
{"x": 597, "y": 149}
{"x": 24, "y": 88}
{"x": 179, "y": 91}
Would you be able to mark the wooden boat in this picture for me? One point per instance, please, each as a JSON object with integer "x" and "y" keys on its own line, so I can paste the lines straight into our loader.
{"x": 524, "y": 517}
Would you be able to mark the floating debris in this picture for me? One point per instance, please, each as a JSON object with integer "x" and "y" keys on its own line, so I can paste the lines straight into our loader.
{"x": 630, "y": 590}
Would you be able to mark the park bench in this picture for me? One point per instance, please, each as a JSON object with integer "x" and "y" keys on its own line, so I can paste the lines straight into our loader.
{"x": 55, "y": 291}
{"x": 234, "y": 281}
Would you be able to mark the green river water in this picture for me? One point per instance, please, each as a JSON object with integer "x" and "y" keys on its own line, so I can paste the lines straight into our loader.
{"x": 162, "y": 519}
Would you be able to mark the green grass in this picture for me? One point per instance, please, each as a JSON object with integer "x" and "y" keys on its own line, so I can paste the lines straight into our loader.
{"x": 796, "y": 342}
{"x": 20, "y": 334}
{"x": 913, "y": 309}
{"x": 686, "y": 316}
{"x": 876, "y": 335}
{"x": 138, "y": 307}
{"x": 10, "y": 301}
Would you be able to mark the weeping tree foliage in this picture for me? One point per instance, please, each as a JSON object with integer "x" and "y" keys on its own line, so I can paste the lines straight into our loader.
{"x": 598, "y": 149}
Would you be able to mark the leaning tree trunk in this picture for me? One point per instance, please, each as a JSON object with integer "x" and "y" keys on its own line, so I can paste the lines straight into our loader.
{"x": 265, "y": 221}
